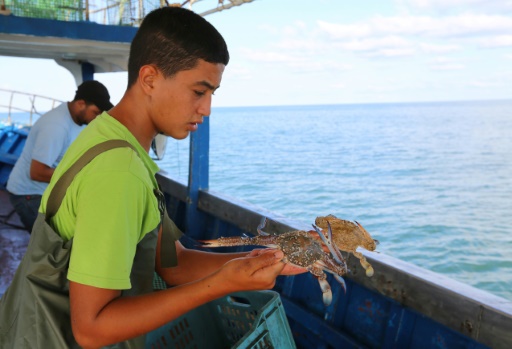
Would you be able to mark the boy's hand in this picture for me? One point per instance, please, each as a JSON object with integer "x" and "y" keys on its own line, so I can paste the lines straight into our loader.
{"x": 288, "y": 270}
{"x": 253, "y": 272}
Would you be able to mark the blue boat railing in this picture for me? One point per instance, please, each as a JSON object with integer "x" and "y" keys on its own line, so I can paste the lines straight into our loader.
{"x": 401, "y": 306}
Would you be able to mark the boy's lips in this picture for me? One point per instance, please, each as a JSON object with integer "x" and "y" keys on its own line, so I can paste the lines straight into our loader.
{"x": 194, "y": 125}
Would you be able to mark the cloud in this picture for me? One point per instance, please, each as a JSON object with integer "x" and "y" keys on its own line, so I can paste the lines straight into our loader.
{"x": 489, "y": 6}
{"x": 266, "y": 56}
{"x": 417, "y": 51}
{"x": 497, "y": 41}
{"x": 420, "y": 26}
{"x": 433, "y": 48}
{"x": 239, "y": 72}
{"x": 447, "y": 66}
{"x": 371, "y": 44}
{"x": 268, "y": 28}
{"x": 392, "y": 36}
{"x": 296, "y": 61}
{"x": 308, "y": 44}
{"x": 389, "y": 52}
{"x": 400, "y": 36}
{"x": 446, "y": 63}
{"x": 338, "y": 31}
{"x": 339, "y": 85}
{"x": 486, "y": 83}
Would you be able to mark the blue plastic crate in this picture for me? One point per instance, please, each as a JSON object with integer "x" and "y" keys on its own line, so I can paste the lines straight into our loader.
{"x": 241, "y": 320}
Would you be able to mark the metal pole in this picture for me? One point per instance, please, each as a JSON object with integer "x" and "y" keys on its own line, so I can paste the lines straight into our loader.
{"x": 9, "y": 118}
{"x": 198, "y": 177}
{"x": 87, "y": 71}
{"x": 141, "y": 10}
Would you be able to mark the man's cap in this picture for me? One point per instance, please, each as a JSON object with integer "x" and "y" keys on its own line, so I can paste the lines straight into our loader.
{"x": 95, "y": 92}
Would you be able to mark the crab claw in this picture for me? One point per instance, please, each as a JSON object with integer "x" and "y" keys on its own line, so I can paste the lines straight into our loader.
{"x": 326, "y": 290}
{"x": 328, "y": 242}
{"x": 341, "y": 281}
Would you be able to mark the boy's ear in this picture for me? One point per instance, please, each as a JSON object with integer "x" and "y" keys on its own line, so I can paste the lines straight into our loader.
{"x": 147, "y": 76}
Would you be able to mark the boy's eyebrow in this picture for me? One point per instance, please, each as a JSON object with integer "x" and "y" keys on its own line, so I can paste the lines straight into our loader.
{"x": 207, "y": 85}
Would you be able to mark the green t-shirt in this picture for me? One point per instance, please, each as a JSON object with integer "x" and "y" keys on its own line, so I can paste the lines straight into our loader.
{"x": 108, "y": 208}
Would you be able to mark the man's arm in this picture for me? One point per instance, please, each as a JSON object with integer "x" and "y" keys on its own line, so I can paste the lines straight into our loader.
{"x": 50, "y": 141}
{"x": 40, "y": 172}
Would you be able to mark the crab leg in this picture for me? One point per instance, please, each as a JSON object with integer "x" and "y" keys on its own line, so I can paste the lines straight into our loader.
{"x": 330, "y": 245}
{"x": 260, "y": 227}
{"x": 336, "y": 270}
{"x": 367, "y": 266}
{"x": 324, "y": 285}
{"x": 239, "y": 241}
{"x": 341, "y": 281}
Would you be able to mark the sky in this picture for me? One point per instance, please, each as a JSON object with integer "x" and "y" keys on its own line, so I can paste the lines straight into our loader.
{"x": 298, "y": 52}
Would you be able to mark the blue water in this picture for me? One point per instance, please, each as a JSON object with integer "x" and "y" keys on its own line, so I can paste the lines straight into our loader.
{"x": 431, "y": 181}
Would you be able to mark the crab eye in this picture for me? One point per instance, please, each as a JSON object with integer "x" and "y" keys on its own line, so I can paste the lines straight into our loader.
{"x": 376, "y": 242}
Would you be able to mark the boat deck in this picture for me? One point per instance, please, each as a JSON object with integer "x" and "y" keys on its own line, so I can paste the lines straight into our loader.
{"x": 13, "y": 241}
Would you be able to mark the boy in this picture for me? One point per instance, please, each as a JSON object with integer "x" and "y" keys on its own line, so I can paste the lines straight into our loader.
{"x": 107, "y": 224}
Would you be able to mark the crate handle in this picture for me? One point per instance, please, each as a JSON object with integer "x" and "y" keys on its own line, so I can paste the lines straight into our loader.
{"x": 239, "y": 301}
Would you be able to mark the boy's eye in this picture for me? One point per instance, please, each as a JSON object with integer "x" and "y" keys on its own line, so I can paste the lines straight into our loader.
{"x": 200, "y": 93}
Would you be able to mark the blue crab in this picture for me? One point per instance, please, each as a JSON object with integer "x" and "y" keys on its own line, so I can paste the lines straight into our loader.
{"x": 301, "y": 249}
{"x": 348, "y": 236}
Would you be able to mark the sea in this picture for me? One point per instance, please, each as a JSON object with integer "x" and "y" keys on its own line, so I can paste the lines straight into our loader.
{"x": 431, "y": 181}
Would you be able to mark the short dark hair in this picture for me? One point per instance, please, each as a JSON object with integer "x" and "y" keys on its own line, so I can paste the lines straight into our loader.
{"x": 174, "y": 39}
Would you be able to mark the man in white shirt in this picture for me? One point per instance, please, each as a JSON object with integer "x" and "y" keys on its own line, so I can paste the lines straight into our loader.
{"x": 47, "y": 141}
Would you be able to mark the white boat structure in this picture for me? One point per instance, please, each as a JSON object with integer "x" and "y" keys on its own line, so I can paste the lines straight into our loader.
{"x": 401, "y": 306}
{"x": 13, "y": 103}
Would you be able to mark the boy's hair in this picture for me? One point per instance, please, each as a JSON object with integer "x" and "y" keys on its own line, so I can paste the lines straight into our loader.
{"x": 173, "y": 39}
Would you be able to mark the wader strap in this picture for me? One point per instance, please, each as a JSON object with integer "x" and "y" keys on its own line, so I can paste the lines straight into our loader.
{"x": 59, "y": 189}
{"x": 170, "y": 234}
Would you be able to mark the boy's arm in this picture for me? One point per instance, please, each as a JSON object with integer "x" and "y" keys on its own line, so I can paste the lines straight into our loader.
{"x": 100, "y": 316}
{"x": 195, "y": 264}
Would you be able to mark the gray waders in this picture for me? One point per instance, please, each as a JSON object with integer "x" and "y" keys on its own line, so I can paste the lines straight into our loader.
{"x": 34, "y": 311}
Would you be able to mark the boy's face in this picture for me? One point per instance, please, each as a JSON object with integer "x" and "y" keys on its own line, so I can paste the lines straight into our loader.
{"x": 180, "y": 102}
